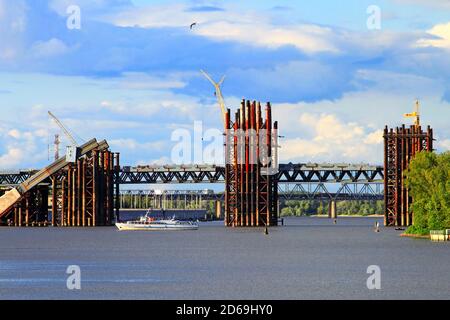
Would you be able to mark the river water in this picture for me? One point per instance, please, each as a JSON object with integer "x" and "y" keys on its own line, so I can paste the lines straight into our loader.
{"x": 308, "y": 258}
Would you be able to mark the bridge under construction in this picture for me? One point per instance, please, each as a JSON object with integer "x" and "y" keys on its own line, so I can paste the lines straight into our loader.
{"x": 83, "y": 189}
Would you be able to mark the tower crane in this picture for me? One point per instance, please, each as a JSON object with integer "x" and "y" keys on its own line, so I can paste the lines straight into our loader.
{"x": 415, "y": 114}
{"x": 64, "y": 129}
{"x": 71, "y": 151}
{"x": 218, "y": 94}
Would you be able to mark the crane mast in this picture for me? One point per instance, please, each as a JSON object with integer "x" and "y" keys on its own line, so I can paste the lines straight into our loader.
{"x": 218, "y": 93}
{"x": 415, "y": 114}
{"x": 63, "y": 128}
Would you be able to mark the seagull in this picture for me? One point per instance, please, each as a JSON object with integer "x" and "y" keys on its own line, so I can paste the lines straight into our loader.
{"x": 192, "y": 25}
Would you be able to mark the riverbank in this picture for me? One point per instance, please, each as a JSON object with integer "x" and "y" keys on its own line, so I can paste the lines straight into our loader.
{"x": 415, "y": 236}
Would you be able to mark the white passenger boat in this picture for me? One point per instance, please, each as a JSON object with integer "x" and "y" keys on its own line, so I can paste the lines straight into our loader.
{"x": 149, "y": 224}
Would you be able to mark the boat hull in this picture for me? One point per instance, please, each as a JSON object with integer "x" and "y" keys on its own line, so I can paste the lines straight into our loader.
{"x": 153, "y": 227}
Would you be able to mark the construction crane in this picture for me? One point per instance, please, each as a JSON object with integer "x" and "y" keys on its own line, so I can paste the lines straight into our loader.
{"x": 218, "y": 94}
{"x": 63, "y": 128}
{"x": 415, "y": 114}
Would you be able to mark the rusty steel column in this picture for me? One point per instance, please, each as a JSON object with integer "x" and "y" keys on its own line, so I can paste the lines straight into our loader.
{"x": 20, "y": 215}
{"x": 83, "y": 192}
{"x": 74, "y": 196}
{"x": 43, "y": 208}
{"x": 63, "y": 201}
{"x": 69, "y": 196}
{"x": 386, "y": 204}
{"x": 95, "y": 187}
{"x": 251, "y": 190}
{"x": 117, "y": 186}
{"x": 101, "y": 198}
{"x": 16, "y": 215}
{"x": 27, "y": 210}
{"x": 106, "y": 189}
{"x": 332, "y": 209}
{"x": 111, "y": 188}
{"x": 54, "y": 202}
{"x": 79, "y": 195}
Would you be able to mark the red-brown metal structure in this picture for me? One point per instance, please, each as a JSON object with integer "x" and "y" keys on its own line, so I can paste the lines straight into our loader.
{"x": 81, "y": 194}
{"x": 400, "y": 146}
{"x": 251, "y": 187}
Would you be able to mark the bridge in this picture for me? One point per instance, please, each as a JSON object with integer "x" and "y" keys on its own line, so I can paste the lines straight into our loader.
{"x": 303, "y": 181}
{"x": 312, "y": 191}
{"x": 288, "y": 173}
{"x": 309, "y": 181}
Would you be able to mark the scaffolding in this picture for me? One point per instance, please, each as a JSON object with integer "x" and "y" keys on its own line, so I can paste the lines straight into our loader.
{"x": 251, "y": 149}
{"x": 82, "y": 193}
{"x": 400, "y": 146}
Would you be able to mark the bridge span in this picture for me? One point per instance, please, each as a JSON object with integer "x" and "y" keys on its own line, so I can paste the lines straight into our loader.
{"x": 288, "y": 173}
{"x": 313, "y": 191}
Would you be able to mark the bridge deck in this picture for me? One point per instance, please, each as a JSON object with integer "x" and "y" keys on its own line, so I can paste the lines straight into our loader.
{"x": 288, "y": 173}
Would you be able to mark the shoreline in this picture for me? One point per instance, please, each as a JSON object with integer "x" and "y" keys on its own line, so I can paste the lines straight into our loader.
{"x": 415, "y": 236}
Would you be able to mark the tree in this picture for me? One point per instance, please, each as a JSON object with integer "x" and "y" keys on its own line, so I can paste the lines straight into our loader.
{"x": 428, "y": 181}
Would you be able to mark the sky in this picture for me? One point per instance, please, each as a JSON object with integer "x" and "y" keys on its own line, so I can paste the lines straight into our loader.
{"x": 130, "y": 73}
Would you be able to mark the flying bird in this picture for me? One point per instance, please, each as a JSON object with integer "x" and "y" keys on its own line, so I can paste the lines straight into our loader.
{"x": 192, "y": 25}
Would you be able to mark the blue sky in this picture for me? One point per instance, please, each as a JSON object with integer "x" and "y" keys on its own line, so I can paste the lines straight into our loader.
{"x": 131, "y": 73}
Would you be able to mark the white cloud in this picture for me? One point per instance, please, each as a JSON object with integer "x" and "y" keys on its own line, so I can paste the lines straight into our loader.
{"x": 13, "y": 22}
{"x": 443, "y": 145}
{"x": 159, "y": 161}
{"x": 142, "y": 81}
{"x": 165, "y": 103}
{"x": 440, "y": 37}
{"x": 50, "y": 48}
{"x": 13, "y": 15}
{"x": 375, "y": 137}
{"x": 20, "y": 148}
{"x": 11, "y": 158}
{"x": 442, "y": 4}
{"x": 229, "y": 25}
{"x": 350, "y": 129}
{"x": 129, "y": 144}
{"x": 14, "y": 133}
{"x": 60, "y": 6}
{"x": 308, "y": 38}
{"x": 332, "y": 140}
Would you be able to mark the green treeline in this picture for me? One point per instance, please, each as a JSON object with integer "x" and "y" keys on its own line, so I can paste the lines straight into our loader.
{"x": 344, "y": 207}
{"x": 144, "y": 203}
{"x": 427, "y": 178}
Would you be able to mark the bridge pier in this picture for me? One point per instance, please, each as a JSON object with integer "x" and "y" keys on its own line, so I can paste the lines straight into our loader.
{"x": 250, "y": 153}
{"x": 400, "y": 146}
{"x": 82, "y": 193}
{"x": 219, "y": 214}
{"x": 332, "y": 211}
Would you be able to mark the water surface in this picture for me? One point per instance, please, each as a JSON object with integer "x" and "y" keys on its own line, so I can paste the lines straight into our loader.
{"x": 308, "y": 258}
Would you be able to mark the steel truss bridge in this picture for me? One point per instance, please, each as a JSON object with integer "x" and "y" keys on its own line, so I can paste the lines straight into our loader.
{"x": 309, "y": 191}
{"x": 309, "y": 181}
{"x": 288, "y": 173}
{"x": 296, "y": 181}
